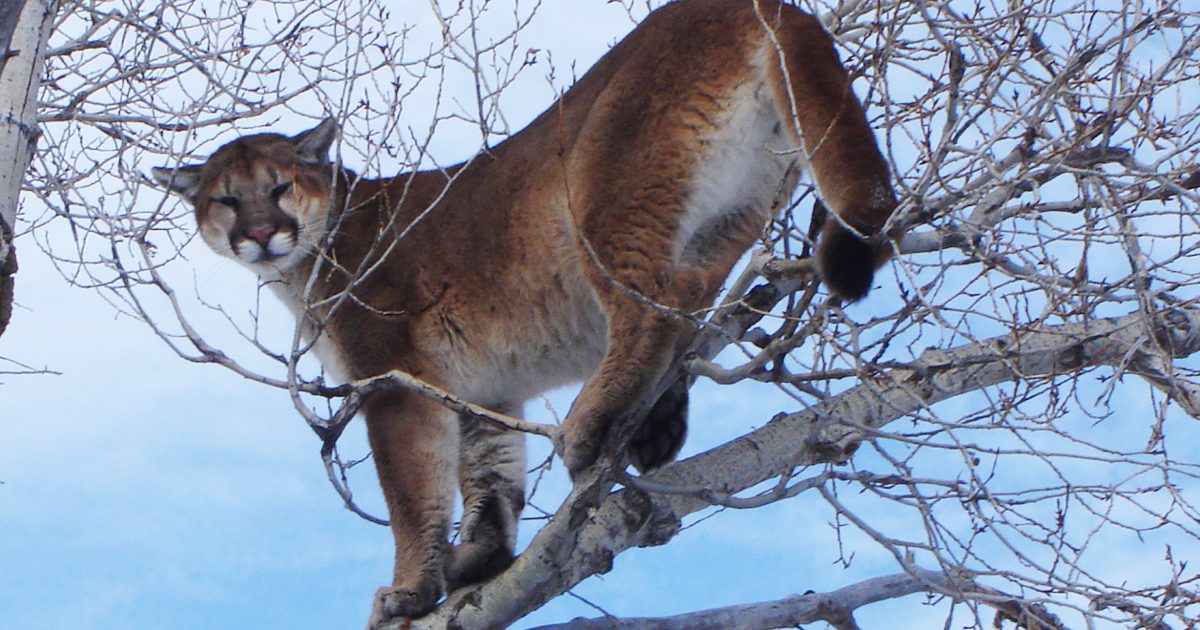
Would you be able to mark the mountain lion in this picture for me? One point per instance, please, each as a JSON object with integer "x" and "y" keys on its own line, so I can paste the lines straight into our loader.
{"x": 565, "y": 253}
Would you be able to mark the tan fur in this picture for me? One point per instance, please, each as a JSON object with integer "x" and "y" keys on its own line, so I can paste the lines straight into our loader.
{"x": 550, "y": 257}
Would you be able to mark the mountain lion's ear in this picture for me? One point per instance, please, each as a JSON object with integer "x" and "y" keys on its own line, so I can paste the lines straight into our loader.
{"x": 183, "y": 180}
{"x": 312, "y": 146}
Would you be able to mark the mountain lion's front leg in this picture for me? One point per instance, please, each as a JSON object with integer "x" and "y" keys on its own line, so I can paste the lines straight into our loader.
{"x": 415, "y": 445}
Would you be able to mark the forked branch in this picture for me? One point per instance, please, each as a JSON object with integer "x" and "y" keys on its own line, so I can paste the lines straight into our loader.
{"x": 574, "y": 546}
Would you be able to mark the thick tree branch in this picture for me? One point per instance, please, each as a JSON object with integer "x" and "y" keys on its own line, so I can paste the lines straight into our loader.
{"x": 574, "y": 546}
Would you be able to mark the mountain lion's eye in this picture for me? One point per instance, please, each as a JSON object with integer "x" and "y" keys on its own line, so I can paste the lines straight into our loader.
{"x": 280, "y": 190}
{"x": 232, "y": 202}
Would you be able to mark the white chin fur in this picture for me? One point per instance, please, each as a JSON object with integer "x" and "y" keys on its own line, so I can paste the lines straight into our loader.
{"x": 248, "y": 251}
{"x": 280, "y": 251}
{"x": 281, "y": 244}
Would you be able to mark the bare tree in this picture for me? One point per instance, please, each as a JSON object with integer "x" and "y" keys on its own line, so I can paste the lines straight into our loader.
{"x": 975, "y": 421}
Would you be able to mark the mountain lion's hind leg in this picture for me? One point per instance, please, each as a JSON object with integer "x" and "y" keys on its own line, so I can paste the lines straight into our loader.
{"x": 643, "y": 339}
{"x": 492, "y": 482}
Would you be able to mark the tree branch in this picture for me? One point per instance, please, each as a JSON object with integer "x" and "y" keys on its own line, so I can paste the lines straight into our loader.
{"x": 574, "y": 546}
{"x": 834, "y": 607}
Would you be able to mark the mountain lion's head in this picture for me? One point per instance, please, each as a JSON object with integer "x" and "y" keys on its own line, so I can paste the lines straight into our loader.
{"x": 264, "y": 199}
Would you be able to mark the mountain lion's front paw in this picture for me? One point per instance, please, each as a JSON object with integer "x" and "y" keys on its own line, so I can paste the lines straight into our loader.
{"x": 394, "y": 602}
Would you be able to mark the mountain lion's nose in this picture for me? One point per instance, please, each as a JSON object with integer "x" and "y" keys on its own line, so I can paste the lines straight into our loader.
{"x": 262, "y": 235}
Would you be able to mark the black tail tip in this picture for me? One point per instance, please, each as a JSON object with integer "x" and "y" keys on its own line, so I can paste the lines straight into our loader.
{"x": 846, "y": 263}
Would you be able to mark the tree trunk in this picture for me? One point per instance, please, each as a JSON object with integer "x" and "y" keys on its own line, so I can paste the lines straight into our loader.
{"x": 24, "y": 29}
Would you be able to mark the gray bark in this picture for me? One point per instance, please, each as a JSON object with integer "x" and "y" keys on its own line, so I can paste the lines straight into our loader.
{"x": 24, "y": 29}
{"x": 836, "y": 607}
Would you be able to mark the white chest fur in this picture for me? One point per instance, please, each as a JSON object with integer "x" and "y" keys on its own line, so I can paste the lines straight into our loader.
{"x": 741, "y": 172}
{"x": 323, "y": 347}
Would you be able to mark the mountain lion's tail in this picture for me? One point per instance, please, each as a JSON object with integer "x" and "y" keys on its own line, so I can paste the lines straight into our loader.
{"x": 851, "y": 175}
